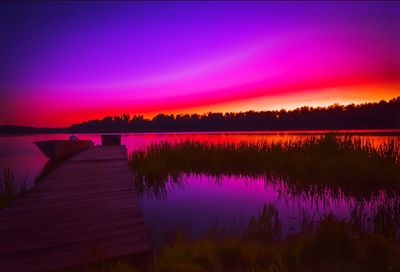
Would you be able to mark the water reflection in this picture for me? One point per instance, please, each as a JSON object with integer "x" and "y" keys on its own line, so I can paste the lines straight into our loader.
{"x": 20, "y": 154}
{"x": 199, "y": 202}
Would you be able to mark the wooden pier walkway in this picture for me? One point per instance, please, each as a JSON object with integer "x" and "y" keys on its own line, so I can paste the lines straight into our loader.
{"x": 86, "y": 210}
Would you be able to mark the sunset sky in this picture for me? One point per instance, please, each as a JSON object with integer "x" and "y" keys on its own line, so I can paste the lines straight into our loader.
{"x": 63, "y": 63}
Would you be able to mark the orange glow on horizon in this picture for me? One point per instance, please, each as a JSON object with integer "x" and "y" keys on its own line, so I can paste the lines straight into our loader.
{"x": 63, "y": 115}
{"x": 312, "y": 98}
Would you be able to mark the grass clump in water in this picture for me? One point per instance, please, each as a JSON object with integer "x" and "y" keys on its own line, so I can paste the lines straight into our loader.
{"x": 349, "y": 163}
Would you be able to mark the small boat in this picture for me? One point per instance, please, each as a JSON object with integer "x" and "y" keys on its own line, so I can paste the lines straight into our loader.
{"x": 62, "y": 149}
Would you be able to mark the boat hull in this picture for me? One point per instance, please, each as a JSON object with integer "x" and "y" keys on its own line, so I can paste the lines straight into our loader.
{"x": 61, "y": 149}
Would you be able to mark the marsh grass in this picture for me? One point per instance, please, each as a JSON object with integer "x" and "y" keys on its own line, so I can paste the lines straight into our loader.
{"x": 9, "y": 190}
{"x": 333, "y": 245}
{"x": 350, "y": 163}
{"x": 267, "y": 226}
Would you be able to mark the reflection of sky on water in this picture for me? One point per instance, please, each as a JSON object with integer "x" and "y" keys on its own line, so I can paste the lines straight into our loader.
{"x": 201, "y": 202}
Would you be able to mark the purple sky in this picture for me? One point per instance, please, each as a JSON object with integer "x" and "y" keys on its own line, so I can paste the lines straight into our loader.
{"x": 72, "y": 61}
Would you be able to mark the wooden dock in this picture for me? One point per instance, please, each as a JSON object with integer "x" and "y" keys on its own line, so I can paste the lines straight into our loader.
{"x": 84, "y": 211}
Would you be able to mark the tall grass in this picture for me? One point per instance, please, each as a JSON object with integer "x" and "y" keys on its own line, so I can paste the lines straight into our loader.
{"x": 348, "y": 163}
{"x": 267, "y": 226}
{"x": 9, "y": 190}
{"x": 332, "y": 246}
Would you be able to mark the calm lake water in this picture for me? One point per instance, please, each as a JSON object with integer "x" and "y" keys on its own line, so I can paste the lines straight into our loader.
{"x": 201, "y": 202}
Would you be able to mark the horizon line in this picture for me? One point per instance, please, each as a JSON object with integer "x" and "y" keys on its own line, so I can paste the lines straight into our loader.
{"x": 212, "y": 112}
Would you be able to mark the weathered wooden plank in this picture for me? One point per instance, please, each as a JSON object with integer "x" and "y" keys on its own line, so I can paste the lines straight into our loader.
{"x": 58, "y": 235}
{"x": 71, "y": 200}
{"x": 65, "y": 219}
{"x": 88, "y": 203}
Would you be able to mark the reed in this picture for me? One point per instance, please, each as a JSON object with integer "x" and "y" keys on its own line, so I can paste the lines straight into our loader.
{"x": 333, "y": 245}
{"x": 349, "y": 163}
{"x": 9, "y": 190}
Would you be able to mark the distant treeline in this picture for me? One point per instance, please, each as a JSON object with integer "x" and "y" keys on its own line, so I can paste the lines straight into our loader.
{"x": 381, "y": 115}
{"x": 8, "y": 129}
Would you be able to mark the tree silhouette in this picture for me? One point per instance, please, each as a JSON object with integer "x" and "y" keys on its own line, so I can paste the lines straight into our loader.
{"x": 381, "y": 115}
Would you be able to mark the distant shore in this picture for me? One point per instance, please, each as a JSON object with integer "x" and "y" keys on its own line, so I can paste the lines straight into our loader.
{"x": 362, "y": 118}
{"x": 23, "y": 130}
